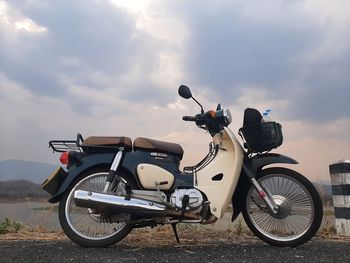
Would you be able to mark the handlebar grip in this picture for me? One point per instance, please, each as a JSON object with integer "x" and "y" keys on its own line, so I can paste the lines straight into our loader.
{"x": 189, "y": 118}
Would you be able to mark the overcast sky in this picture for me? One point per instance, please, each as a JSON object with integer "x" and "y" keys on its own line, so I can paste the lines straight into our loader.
{"x": 112, "y": 67}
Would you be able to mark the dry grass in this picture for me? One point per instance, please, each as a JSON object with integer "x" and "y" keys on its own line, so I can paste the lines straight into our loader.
{"x": 152, "y": 237}
{"x": 190, "y": 235}
{"x": 33, "y": 234}
{"x": 328, "y": 231}
{"x": 163, "y": 236}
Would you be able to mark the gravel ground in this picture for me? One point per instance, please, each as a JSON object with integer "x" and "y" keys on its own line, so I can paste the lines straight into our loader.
{"x": 239, "y": 249}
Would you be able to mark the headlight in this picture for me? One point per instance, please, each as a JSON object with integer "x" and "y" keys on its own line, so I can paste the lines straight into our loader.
{"x": 227, "y": 116}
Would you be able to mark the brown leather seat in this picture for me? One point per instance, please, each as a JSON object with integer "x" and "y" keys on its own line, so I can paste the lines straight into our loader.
{"x": 159, "y": 146}
{"x": 108, "y": 142}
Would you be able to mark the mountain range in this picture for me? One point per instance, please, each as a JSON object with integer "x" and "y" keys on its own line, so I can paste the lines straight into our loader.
{"x": 23, "y": 170}
{"x": 29, "y": 173}
{"x": 21, "y": 189}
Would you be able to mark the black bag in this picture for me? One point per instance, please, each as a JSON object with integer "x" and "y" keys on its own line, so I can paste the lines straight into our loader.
{"x": 260, "y": 136}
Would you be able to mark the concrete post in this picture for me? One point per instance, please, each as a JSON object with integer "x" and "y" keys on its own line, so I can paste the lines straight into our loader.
{"x": 340, "y": 178}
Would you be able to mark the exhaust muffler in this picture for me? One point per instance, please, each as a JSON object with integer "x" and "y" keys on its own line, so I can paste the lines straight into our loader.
{"x": 117, "y": 204}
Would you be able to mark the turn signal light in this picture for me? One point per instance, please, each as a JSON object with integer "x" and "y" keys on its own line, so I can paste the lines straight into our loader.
{"x": 64, "y": 158}
{"x": 212, "y": 114}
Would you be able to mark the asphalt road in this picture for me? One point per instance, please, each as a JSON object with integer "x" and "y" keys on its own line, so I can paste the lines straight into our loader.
{"x": 252, "y": 250}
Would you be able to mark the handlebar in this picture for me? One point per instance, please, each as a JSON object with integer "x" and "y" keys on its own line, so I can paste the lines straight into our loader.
{"x": 199, "y": 119}
{"x": 189, "y": 118}
{"x": 212, "y": 121}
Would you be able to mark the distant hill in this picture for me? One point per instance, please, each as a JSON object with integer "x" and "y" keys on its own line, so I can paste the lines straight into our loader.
{"x": 20, "y": 189}
{"x": 32, "y": 171}
{"x": 325, "y": 189}
{"x": 24, "y": 179}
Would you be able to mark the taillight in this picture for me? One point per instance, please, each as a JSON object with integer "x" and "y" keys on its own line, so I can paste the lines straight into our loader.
{"x": 64, "y": 158}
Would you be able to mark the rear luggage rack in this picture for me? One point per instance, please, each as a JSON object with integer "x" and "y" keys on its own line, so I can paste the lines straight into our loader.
{"x": 64, "y": 145}
{"x": 79, "y": 146}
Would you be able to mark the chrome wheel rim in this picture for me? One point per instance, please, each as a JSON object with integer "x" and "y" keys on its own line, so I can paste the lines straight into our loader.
{"x": 84, "y": 221}
{"x": 296, "y": 211}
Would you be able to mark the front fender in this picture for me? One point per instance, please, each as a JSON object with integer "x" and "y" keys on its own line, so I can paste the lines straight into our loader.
{"x": 256, "y": 163}
{"x": 103, "y": 159}
{"x": 251, "y": 168}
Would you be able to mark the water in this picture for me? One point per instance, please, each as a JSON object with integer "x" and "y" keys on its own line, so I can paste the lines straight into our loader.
{"x": 31, "y": 214}
{"x": 44, "y": 214}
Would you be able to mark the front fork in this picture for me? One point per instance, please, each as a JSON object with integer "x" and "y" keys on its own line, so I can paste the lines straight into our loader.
{"x": 263, "y": 193}
{"x": 265, "y": 196}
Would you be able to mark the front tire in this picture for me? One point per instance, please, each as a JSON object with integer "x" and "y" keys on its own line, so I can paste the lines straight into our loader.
{"x": 300, "y": 213}
{"x": 82, "y": 225}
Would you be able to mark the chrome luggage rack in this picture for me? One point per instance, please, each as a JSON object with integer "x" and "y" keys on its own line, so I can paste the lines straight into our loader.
{"x": 67, "y": 145}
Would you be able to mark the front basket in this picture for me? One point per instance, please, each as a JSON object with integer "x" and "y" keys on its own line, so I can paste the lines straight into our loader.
{"x": 262, "y": 137}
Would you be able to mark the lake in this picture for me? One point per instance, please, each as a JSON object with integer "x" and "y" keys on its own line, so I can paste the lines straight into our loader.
{"x": 44, "y": 214}
{"x": 31, "y": 213}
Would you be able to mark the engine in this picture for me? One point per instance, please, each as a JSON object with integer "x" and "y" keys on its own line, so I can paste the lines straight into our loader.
{"x": 188, "y": 199}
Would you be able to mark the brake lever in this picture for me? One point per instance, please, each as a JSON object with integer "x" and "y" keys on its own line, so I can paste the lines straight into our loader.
{"x": 202, "y": 127}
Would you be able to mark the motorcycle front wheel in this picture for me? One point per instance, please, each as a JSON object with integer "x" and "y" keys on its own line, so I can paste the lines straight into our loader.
{"x": 300, "y": 208}
{"x": 83, "y": 225}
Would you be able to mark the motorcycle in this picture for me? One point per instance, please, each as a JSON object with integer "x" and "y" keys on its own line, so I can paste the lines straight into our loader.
{"x": 113, "y": 185}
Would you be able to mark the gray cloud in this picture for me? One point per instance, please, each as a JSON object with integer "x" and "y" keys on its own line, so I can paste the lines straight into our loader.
{"x": 243, "y": 53}
{"x": 230, "y": 50}
{"x": 98, "y": 36}
{"x": 325, "y": 97}
{"x": 231, "y": 47}
{"x": 104, "y": 70}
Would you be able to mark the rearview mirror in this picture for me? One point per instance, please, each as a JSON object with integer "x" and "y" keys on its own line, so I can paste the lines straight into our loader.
{"x": 185, "y": 92}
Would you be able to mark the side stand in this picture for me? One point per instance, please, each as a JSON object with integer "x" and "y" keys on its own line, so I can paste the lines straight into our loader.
{"x": 175, "y": 232}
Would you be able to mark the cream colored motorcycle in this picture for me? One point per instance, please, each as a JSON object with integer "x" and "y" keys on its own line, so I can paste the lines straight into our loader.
{"x": 113, "y": 185}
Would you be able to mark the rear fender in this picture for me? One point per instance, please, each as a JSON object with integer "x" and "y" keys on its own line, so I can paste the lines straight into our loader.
{"x": 128, "y": 164}
{"x": 89, "y": 162}
{"x": 252, "y": 168}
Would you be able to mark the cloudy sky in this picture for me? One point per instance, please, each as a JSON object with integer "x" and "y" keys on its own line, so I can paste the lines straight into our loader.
{"x": 112, "y": 67}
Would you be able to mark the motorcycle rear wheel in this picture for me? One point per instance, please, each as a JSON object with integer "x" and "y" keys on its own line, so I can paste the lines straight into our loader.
{"x": 300, "y": 213}
{"x": 82, "y": 225}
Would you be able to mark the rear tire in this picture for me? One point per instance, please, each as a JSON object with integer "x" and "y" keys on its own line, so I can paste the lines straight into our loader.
{"x": 300, "y": 214}
{"x": 80, "y": 224}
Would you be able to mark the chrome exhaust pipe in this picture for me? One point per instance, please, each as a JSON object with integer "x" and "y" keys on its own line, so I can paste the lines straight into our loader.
{"x": 117, "y": 204}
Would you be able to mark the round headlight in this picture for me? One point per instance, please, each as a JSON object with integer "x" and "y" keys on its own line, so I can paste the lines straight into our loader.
{"x": 227, "y": 116}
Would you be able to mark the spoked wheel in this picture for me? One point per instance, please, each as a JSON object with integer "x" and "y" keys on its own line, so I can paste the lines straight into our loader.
{"x": 300, "y": 208}
{"x": 86, "y": 227}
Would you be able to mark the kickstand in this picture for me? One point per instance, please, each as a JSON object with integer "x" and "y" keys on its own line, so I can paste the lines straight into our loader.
{"x": 175, "y": 232}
